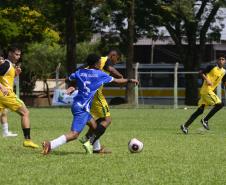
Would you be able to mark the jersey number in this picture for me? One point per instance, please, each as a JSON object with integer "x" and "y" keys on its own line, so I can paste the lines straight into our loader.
{"x": 85, "y": 86}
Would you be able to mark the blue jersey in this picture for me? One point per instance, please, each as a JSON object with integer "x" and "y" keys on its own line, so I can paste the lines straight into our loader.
{"x": 88, "y": 81}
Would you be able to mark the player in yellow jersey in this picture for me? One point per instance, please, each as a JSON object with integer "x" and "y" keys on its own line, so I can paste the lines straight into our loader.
{"x": 100, "y": 109}
{"x": 3, "y": 113}
{"x": 8, "y": 98}
{"x": 212, "y": 76}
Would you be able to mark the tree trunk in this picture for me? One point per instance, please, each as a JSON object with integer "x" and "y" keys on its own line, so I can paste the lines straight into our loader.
{"x": 191, "y": 64}
{"x": 47, "y": 92}
{"x": 130, "y": 93}
{"x": 191, "y": 90}
{"x": 70, "y": 36}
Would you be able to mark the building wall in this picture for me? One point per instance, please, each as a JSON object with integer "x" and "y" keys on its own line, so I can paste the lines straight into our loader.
{"x": 167, "y": 54}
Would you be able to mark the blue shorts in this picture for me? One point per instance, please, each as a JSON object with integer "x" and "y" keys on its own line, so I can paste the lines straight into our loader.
{"x": 80, "y": 118}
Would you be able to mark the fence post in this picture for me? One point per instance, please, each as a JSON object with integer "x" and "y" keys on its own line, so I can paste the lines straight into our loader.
{"x": 17, "y": 83}
{"x": 175, "y": 89}
{"x": 219, "y": 91}
{"x": 57, "y": 75}
{"x": 136, "y": 87}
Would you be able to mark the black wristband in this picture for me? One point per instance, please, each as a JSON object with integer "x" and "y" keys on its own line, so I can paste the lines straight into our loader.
{"x": 130, "y": 80}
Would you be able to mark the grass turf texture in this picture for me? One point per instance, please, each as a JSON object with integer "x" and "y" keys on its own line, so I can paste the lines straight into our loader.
{"x": 169, "y": 157}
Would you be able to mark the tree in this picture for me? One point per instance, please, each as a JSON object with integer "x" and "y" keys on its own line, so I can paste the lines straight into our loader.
{"x": 41, "y": 60}
{"x": 70, "y": 36}
{"x": 83, "y": 49}
{"x": 121, "y": 23}
{"x": 130, "y": 93}
{"x": 73, "y": 20}
{"x": 115, "y": 20}
{"x": 23, "y": 25}
{"x": 188, "y": 23}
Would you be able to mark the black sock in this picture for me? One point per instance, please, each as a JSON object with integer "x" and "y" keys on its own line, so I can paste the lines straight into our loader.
{"x": 89, "y": 133}
{"x": 26, "y": 132}
{"x": 198, "y": 112}
{"x": 99, "y": 131}
{"x": 213, "y": 111}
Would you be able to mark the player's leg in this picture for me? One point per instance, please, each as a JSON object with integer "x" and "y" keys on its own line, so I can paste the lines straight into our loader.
{"x": 214, "y": 110}
{"x": 214, "y": 100}
{"x": 103, "y": 121}
{"x": 80, "y": 118}
{"x": 102, "y": 124}
{"x": 198, "y": 112}
{"x": 5, "y": 125}
{"x": 57, "y": 142}
{"x": 101, "y": 113}
{"x": 15, "y": 104}
{"x": 25, "y": 125}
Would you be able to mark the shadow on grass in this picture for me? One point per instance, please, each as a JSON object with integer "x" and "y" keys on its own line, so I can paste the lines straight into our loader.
{"x": 67, "y": 153}
{"x": 191, "y": 133}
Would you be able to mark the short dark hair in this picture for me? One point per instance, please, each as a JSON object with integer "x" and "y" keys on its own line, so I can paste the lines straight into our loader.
{"x": 92, "y": 59}
{"x": 116, "y": 51}
{"x": 221, "y": 56}
{"x": 14, "y": 48}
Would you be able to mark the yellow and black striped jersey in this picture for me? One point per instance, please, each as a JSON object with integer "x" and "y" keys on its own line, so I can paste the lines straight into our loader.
{"x": 7, "y": 74}
{"x": 215, "y": 74}
{"x": 105, "y": 63}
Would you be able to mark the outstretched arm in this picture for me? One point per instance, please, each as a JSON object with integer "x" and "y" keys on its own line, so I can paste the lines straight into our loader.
{"x": 125, "y": 81}
{"x": 114, "y": 72}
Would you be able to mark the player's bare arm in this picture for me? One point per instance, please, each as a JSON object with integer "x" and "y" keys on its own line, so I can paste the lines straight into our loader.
{"x": 70, "y": 90}
{"x": 207, "y": 80}
{"x": 125, "y": 81}
{"x": 18, "y": 70}
{"x": 114, "y": 72}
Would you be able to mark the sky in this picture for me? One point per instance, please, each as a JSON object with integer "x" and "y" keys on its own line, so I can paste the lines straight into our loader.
{"x": 223, "y": 33}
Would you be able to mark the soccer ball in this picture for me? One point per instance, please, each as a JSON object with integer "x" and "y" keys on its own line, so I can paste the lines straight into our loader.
{"x": 135, "y": 146}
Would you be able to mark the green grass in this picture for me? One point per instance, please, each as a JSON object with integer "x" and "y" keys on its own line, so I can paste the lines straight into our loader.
{"x": 169, "y": 157}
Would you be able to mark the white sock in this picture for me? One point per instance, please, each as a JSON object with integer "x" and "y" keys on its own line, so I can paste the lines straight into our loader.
{"x": 58, "y": 142}
{"x": 96, "y": 145}
{"x": 5, "y": 128}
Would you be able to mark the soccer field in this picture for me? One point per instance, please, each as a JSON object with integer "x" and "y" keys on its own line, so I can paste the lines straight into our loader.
{"x": 169, "y": 157}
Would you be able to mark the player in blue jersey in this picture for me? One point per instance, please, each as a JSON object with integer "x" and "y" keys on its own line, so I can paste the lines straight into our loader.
{"x": 87, "y": 81}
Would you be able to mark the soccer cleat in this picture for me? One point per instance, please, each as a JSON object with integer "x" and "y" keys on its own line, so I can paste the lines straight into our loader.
{"x": 205, "y": 124}
{"x": 102, "y": 150}
{"x": 88, "y": 147}
{"x": 9, "y": 134}
{"x": 29, "y": 143}
{"x": 184, "y": 129}
{"x": 46, "y": 147}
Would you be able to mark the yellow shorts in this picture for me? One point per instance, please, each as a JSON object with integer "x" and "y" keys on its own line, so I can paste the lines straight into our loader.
{"x": 209, "y": 99}
{"x": 11, "y": 101}
{"x": 99, "y": 107}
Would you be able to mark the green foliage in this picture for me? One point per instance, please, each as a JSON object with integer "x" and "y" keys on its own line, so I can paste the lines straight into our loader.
{"x": 27, "y": 81}
{"x": 40, "y": 62}
{"x": 43, "y": 58}
{"x": 24, "y": 25}
{"x": 85, "y": 48}
{"x": 168, "y": 158}
{"x": 9, "y": 31}
{"x": 110, "y": 19}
